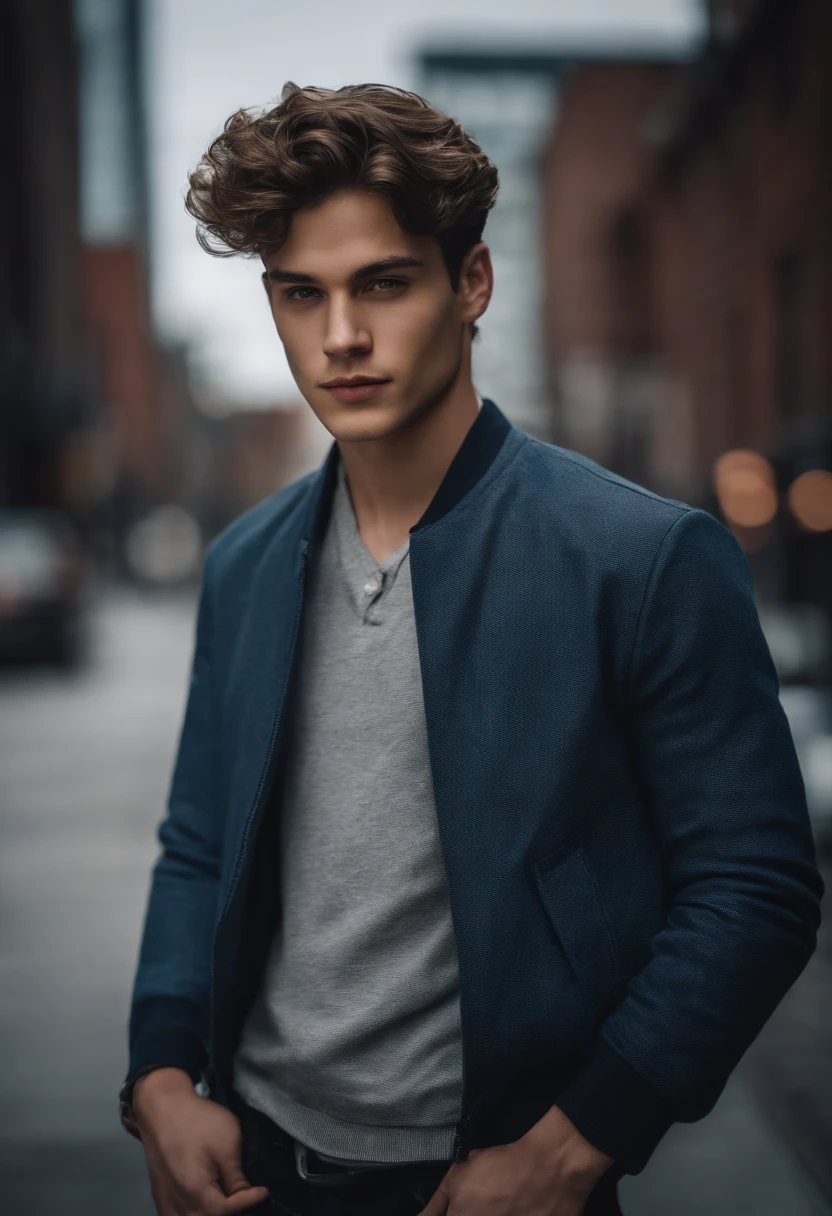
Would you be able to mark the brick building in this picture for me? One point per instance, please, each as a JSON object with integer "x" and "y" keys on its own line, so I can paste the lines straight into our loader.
{"x": 689, "y": 253}
{"x": 90, "y": 411}
{"x": 142, "y": 396}
{"x": 604, "y": 371}
{"x": 741, "y": 202}
{"x": 41, "y": 323}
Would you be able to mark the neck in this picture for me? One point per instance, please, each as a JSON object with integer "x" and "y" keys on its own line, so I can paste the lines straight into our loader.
{"x": 393, "y": 479}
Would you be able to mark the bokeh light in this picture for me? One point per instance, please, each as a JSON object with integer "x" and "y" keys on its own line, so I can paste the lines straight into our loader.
{"x": 745, "y": 488}
{"x": 810, "y": 500}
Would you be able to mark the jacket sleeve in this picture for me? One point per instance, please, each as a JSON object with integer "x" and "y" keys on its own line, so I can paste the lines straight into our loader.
{"x": 171, "y": 994}
{"x": 726, "y": 804}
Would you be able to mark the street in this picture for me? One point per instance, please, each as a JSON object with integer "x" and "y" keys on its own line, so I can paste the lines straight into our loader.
{"x": 84, "y": 765}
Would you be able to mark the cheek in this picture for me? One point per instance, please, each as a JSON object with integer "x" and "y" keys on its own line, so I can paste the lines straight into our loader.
{"x": 299, "y": 341}
{"x": 428, "y": 329}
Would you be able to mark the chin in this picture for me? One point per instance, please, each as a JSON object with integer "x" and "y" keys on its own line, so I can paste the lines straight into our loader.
{"x": 360, "y": 423}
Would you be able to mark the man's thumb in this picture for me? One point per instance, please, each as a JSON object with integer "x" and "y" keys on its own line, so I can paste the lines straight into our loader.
{"x": 232, "y": 1178}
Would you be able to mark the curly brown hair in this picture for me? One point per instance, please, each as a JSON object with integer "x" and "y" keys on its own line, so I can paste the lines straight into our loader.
{"x": 266, "y": 165}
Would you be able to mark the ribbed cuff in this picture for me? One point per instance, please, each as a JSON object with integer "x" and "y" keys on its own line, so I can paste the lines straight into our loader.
{"x": 615, "y": 1109}
{"x": 168, "y": 1047}
{"x": 166, "y": 1031}
{"x": 162, "y": 1035}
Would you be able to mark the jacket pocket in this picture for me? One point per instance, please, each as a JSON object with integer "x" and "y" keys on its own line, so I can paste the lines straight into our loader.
{"x": 569, "y": 891}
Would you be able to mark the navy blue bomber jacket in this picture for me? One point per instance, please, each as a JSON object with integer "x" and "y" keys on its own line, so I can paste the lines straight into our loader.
{"x": 622, "y": 818}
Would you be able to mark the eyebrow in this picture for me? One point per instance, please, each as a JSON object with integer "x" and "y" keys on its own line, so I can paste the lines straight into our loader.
{"x": 395, "y": 262}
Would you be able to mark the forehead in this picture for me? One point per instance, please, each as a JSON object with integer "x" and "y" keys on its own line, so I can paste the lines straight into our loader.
{"x": 347, "y": 230}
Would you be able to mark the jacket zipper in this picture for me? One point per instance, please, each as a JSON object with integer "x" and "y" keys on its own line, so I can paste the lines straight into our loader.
{"x": 264, "y": 775}
{"x": 459, "y": 1150}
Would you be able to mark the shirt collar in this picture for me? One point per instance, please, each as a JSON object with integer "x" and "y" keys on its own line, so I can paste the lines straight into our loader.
{"x": 474, "y": 457}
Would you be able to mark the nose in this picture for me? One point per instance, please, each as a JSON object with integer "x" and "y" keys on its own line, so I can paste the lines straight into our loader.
{"x": 345, "y": 333}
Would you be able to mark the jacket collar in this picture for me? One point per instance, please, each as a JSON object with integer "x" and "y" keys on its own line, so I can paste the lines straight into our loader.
{"x": 476, "y": 453}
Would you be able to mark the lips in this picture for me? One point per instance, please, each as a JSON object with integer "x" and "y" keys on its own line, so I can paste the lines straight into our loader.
{"x": 354, "y": 388}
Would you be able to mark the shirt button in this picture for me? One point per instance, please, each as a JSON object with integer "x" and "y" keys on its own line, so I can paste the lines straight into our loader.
{"x": 372, "y": 585}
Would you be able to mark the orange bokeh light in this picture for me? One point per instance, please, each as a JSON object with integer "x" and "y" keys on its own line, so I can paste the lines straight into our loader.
{"x": 810, "y": 500}
{"x": 746, "y": 488}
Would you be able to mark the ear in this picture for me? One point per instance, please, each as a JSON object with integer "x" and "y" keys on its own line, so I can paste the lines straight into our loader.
{"x": 476, "y": 281}
{"x": 267, "y": 283}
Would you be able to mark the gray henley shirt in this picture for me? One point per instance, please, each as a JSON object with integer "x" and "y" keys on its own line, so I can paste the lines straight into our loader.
{"x": 353, "y": 1043}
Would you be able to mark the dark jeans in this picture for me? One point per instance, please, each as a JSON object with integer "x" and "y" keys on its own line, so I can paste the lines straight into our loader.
{"x": 269, "y": 1160}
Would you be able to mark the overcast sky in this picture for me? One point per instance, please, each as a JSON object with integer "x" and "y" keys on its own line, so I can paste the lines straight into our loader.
{"x": 209, "y": 57}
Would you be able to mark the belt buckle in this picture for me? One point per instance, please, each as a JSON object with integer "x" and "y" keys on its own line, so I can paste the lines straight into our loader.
{"x": 337, "y": 1178}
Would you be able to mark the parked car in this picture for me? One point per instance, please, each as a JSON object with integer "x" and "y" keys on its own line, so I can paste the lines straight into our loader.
{"x": 42, "y": 576}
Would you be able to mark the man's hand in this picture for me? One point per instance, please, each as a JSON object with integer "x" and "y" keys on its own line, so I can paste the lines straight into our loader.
{"x": 193, "y": 1148}
{"x": 548, "y": 1172}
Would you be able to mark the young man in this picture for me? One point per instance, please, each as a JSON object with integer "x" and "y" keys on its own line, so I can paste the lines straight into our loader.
{"x": 486, "y": 854}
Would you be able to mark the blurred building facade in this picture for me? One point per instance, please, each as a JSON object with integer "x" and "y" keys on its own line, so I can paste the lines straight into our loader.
{"x": 506, "y": 101}
{"x": 510, "y": 100}
{"x": 689, "y": 272}
{"x": 43, "y": 397}
{"x": 141, "y": 389}
{"x": 86, "y": 404}
{"x": 614, "y": 398}
{"x": 98, "y": 418}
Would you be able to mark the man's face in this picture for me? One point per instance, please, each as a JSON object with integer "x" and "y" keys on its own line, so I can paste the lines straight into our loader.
{"x": 354, "y": 296}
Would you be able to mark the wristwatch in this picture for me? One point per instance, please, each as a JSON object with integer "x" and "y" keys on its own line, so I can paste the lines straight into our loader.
{"x": 125, "y": 1104}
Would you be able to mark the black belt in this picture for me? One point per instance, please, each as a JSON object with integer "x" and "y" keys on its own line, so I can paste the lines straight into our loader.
{"x": 309, "y": 1168}
{"x": 317, "y": 1169}
{"x": 320, "y": 1170}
